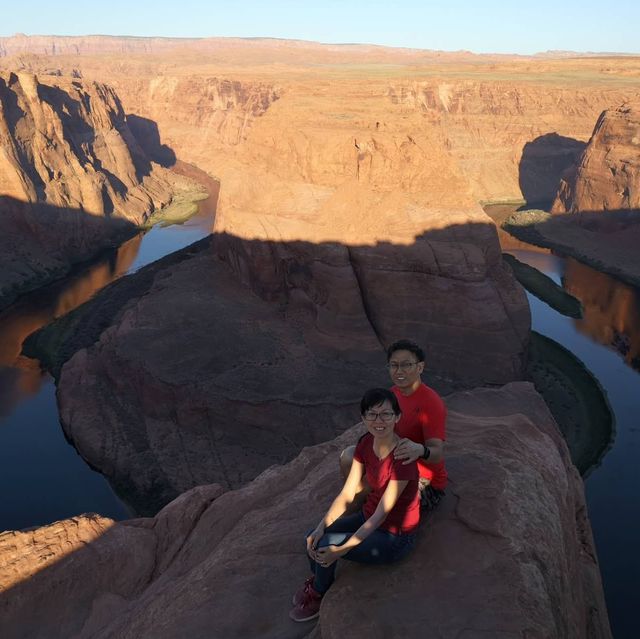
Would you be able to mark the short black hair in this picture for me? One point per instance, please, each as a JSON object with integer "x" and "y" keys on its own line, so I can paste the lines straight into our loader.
{"x": 375, "y": 397}
{"x": 405, "y": 345}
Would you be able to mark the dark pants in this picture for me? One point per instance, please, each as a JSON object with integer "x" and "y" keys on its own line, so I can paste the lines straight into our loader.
{"x": 380, "y": 547}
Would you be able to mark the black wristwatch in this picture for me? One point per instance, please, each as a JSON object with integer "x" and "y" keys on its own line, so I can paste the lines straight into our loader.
{"x": 427, "y": 452}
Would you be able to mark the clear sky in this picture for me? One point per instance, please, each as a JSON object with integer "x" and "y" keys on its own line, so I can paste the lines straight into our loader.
{"x": 481, "y": 26}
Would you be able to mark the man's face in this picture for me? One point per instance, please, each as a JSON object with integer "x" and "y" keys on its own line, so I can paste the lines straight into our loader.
{"x": 405, "y": 369}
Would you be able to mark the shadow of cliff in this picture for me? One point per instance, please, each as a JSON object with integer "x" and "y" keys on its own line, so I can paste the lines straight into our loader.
{"x": 39, "y": 243}
{"x": 147, "y": 135}
{"x": 448, "y": 290}
{"x": 542, "y": 164}
{"x": 21, "y": 377}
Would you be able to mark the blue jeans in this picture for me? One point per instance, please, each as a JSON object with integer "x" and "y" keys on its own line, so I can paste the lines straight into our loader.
{"x": 380, "y": 547}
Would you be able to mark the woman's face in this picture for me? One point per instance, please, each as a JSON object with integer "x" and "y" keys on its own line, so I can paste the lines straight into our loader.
{"x": 380, "y": 420}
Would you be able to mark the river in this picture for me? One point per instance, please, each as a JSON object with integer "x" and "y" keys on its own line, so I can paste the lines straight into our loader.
{"x": 42, "y": 477}
{"x": 607, "y": 341}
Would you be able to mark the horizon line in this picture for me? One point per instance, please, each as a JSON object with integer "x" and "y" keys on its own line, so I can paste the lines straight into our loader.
{"x": 559, "y": 52}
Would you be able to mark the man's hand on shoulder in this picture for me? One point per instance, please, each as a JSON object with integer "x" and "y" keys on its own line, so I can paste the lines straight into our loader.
{"x": 408, "y": 451}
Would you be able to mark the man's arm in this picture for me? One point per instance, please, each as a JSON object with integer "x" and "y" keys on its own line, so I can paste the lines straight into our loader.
{"x": 436, "y": 450}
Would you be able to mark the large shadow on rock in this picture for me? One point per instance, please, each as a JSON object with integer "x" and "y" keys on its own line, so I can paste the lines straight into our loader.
{"x": 147, "y": 135}
{"x": 40, "y": 243}
{"x": 234, "y": 354}
{"x": 21, "y": 377}
{"x": 542, "y": 164}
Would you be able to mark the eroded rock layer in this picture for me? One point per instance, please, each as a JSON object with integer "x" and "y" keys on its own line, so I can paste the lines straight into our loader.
{"x": 607, "y": 177}
{"x": 73, "y": 179}
{"x": 496, "y": 559}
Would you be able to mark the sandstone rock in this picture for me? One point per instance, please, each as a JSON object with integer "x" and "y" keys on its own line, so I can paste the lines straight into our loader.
{"x": 607, "y": 178}
{"x": 73, "y": 180}
{"x": 170, "y": 354}
{"x": 509, "y": 552}
{"x": 284, "y": 335}
{"x": 595, "y": 214}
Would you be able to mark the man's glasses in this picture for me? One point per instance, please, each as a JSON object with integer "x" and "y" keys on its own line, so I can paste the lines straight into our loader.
{"x": 385, "y": 416}
{"x": 403, "y": 366}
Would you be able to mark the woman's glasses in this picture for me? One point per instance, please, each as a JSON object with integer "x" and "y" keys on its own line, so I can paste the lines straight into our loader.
{"x": 384, "y": 416}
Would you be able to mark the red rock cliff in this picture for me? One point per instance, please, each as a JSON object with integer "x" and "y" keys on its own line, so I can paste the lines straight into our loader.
{"x": 73, "y": 179}
{"x": 607, "y": 176}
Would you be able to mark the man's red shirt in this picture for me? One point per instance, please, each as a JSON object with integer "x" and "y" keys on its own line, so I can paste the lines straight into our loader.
{"x": 423, "y": 417}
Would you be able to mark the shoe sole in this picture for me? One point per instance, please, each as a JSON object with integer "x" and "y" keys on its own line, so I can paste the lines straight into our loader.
{"x": 306, "y": 618}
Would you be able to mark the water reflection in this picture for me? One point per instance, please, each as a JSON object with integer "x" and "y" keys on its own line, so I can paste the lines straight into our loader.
{"x": 21, "y": 377}
{"x": 611, "y": 309}
{"x": 607, "y": 341}
{"x": 42, "y": 477}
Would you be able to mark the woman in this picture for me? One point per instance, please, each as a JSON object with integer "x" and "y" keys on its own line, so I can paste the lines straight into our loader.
{"x": 384, "y": 531}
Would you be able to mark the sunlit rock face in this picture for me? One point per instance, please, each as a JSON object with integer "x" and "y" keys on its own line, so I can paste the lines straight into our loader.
{"x": 68, "y": 145}
{"x": 73, "y": 180}
{"x": 501, "y": 560}
{"x": 607, "y": 177}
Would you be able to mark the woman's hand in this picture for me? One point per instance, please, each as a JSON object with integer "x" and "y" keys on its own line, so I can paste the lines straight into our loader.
{"x": 327, "y": 555}
{"x": 313, "y": 539}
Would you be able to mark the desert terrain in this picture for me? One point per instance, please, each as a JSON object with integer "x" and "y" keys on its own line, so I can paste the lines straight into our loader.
{"x": 352, "y": 180}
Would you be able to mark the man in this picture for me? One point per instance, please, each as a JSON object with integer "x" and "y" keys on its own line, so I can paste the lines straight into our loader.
{"x": 422, "y": 425}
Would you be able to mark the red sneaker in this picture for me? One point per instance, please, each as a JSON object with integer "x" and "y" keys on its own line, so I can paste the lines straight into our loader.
{"x": 299, "y": 596}
{"x": 309, "y": 606}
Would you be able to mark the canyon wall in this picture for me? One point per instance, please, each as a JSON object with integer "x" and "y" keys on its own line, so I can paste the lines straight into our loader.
{"x": 73, "y": 180}
{"x": 509, "y": 140}
{"x": 607, "y": 176}
{"x": 68, "y": 145}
